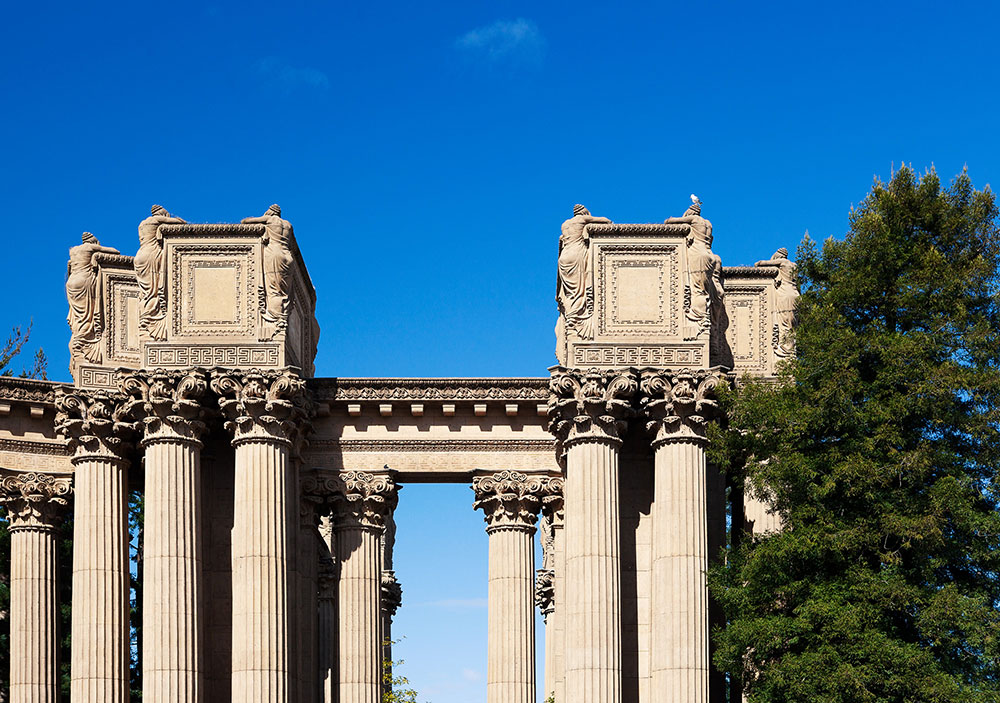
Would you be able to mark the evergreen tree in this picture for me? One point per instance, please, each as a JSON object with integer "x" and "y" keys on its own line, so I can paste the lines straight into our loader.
{"x": 879, "y": 449}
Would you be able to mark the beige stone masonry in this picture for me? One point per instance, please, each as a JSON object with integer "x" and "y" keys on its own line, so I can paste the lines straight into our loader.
{"x": 34, "y": 504}
{"x": 98, "y": 436}
{"x": 588, "y": 411}
{"x": 170, "y": 407}
{"x": 267, "y": 413}
{"x": 677, "y": 406}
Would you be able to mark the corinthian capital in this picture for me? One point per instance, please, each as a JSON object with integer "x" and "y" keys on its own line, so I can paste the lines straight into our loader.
{"x": 590, "y": 405}
{"x": 678, "y": 405}
{"x": 361, "y": 499}
{"x": 264, "y": 405}
{"x": 93, "y": 424}
{"x": 392, "y": 593}
{"x": 168, "y": 403}
{"x": 545, "y": 592}
{"x": 510, "y": 499}
{"x": 34, "y": 500}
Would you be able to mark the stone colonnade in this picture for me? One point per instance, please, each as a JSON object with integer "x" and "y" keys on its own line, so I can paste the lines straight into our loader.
{"x": 318, "y": 547}
{"x": 590, "y": 411}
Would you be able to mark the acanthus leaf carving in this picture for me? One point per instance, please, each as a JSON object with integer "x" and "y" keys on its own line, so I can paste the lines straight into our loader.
{"x": 93, "y": 424}
{"x": 678, "y": 405}
{"x": 264, "y": 405}
{"x": 170, "y": 404}
{"x": 359, "y": 499}
{"x": 590, "y": 404}
{"x": 34, "y": 500}
{"x": 511, "y": 499}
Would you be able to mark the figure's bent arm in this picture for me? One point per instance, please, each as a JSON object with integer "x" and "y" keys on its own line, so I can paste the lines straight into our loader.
{"x": 770, "y": 262}
{"x": 106, "y": 250}
{"x": 591, "y": 220}
{"x": 678, "y": 221}
{"x": 262, "y": 220}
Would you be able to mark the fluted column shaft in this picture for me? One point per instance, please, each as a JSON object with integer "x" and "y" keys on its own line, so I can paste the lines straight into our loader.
{"x": 555, "y": 672}
{"x": 327, "y": 617}
{"x": 510, "y": 670}
{"x": 100, "y": 643}
{"x": 308, "y": 607}
{"x": 588, "y": 411}
{"x": 33, "y": 616}
{"x": 361, "y": 503}
{"x": 267, "y": 414}
{"x": 33, "y": 502}
{"x": 172, "y": 661}
{"x": 678, "y": 406}
{"x": 168, "y": 405}
{"x": 593, "y": 574}
{"x": 359, "y": 614}
{"x": 679, "y": 652}
{"x": 262, "y": 526}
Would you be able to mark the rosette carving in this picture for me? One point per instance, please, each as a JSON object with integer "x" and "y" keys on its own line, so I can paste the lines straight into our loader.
{"x": 34, "y": 500}
{"x": 93, "y": 424}
{"x": 392, "y": 593}
{"x": 678, "y": 405}
{"x": 264, "y": 405}
{"x": 590, "y": 405}
{"x": 360, "y": 499}
{"x": 168, "y": 403}
{"x": 510, "y": 499}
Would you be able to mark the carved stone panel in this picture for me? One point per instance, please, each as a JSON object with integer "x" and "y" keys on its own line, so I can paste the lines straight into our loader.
{"x": 216, "y": 289}
{"x": 744, "y": 336}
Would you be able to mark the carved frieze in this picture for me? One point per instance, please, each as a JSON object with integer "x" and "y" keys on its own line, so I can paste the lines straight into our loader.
{"x": 343, "y": 389}
{"x": 678, "y": 405}
{"x": 34, "y": 500}
{"x": 170, "y": 404}
{"x": 590, "y": 405}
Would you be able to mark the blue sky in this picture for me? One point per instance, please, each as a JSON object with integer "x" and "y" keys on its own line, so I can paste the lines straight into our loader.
{"x": 427, "y": 152}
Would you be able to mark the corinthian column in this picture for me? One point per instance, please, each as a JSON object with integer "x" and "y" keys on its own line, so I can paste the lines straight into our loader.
{"x": 678, "y": 407}
{"x": 392, "y": 591}
{"x": 168, "y": 404}
{"x": 33, "y": 503}
{"x": 94, "y": 426}
{"x": 267, "y": 414}
{"x": 588, "y": 410}
{"x": 361, "y": 503}
{"x": 510, "y": 501}
{"x": 550, "y": 589}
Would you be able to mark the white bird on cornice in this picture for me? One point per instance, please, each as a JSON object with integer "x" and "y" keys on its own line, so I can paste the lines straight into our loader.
{"x": 695, "y": 198}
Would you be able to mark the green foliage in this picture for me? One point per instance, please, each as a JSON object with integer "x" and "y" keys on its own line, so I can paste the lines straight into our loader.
{"x": 13, "y": 346}
{"x": 879, "y": 450}
{"x": 396, "y": 689}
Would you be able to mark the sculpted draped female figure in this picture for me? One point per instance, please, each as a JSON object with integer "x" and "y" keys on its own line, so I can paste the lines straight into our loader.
{"x": 149, "y": 271}
{"x": 81, "y": 293}
{"x": 573, "y": 286}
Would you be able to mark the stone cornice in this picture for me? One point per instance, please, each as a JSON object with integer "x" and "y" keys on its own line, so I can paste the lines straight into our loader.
{"x": 644, "y": 228}
{"x": 29, "y": 390}
{"x": 511, "y": 499}
{"x": 358, "y": 499}
{"x": 331, "y": 390}
{"x": 34, "y": 500}
{"x": 263, "y": 405}
{"x": 170, "y": 404}
{"x": 209, "y": 229}
{"x": 590, "y": 405}
{"x": 750, "y": 271}
{"x": 678, "y": 405}
{"x": 117, "y": 261}
{"x": 93, "y": 424}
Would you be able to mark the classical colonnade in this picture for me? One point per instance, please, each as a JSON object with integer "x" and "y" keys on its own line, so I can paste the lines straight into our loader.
{"x": 313, "y": 591}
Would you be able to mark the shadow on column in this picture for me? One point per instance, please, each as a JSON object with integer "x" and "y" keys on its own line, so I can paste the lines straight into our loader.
{"x": 636, "y": 492}
{"x": 217, "y": 476}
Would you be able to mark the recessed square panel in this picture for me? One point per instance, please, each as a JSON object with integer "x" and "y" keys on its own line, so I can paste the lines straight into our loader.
{"x": 638, "y": 293}
{"x": 215, "y": 294}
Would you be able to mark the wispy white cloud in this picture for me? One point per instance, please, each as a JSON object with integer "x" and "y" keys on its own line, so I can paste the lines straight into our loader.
{"x": 517, "y": 40}
{"x": 455, "y": 603}
{"x": 281, "y": 72}
{"x": 472, "y": 675}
